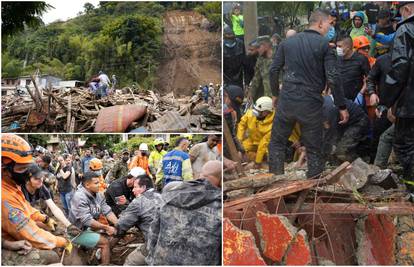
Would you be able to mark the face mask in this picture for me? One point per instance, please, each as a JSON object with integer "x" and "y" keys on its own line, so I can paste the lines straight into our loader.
{"x": 331, "y": 33}
{"x": 125, "y": 159}
{"x": 19, "y": 178}
{"x": 340, "y": 51}
{"x": 256, "y": 113}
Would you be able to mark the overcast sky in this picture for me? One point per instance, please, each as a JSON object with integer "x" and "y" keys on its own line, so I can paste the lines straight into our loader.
{"x": 64, "y": 9}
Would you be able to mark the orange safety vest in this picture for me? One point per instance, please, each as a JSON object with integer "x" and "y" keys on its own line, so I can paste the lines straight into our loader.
{"x": 139, "y": 161}
{"x": 18, "y": 218}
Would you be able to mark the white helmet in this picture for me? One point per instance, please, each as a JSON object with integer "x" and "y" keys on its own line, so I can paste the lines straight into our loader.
{"x": 137, "y": 171}
{"x": 211, "y": 84}
{"x": 264, "y": 103}
{"x": 143, "y": 147}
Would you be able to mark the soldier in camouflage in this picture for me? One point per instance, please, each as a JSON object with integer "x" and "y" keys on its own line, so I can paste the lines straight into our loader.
{"x": 187, "y": 228}
{"x": 121, "y": 167}
{"x": 261, "y": 72}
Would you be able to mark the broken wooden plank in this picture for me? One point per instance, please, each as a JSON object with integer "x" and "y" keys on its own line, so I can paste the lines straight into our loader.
{"x": 283, "y": 188}
{"x": 393, "y": 208}
{"x": 234, "y": 154}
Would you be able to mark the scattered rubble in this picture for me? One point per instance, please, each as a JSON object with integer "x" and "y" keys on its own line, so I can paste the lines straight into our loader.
{"x": 77, "y": 110}
{"x": 353, "y": 214}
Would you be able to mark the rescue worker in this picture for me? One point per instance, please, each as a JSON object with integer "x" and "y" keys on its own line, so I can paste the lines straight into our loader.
{"x": 261, "y": 75}
{"x": 141, "y": 160}
{"x": 233, "y": 58}
{"x": 96, "y": 166}
{"x": 85, "y": 161}
{"x": 156, "y": 156}
{"x": 354, "y": 68}
{"x": 400, "y": 81}
{"x": 309, "y": 64}
{"x": 203, "y": 152}
{"x": 18, "y": 217}
{"x": 379, "y": 97}
{"x": 191, "y": 210}
{"x": 363, "y": 45}
{"x": 140, "y": 213}
{"x": 250, "y": 60}
{"x": 121, "y": 167}
{"x": 254, "y": 129}
{"x": 237, "y": 22}
{"x": 119, "y": 193}
{"x": 90, "y": 213}
{"x": 176, "y": 164}
{"x": 211, "y": 94}
{"x": 358, "y": 29}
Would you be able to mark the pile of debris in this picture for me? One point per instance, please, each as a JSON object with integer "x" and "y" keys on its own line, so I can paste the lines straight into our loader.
{"x": 354, "y": 214}
{"x": 77, "y": 110}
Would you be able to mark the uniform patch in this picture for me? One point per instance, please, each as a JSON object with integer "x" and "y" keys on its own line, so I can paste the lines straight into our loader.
{"x": 15, "y": 215}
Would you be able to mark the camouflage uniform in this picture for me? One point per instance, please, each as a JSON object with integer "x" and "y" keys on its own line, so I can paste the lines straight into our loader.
{"x": 187, "y": 228}
{"x": 384, "y": 148}
{"x": 34, "y": 257}
{"x": 261, "y": 79}
{"x": 139, "y": 213}
{"x": 119, "y": 170}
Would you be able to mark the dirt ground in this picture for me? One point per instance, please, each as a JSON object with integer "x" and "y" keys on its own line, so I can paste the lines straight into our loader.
{"x": 191, "y": 55}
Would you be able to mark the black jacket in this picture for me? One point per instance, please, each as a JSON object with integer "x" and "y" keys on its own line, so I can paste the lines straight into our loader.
{"x": 308, "y": 63}
{"x": 376, "y": 77}
{"x": 401, "y": 77}
{"x": 233, "y": 62}
{"x": 353, "y": 70}
{"x": 116, "y": 189}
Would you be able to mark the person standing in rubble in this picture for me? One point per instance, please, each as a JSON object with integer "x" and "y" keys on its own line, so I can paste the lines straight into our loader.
{"x": 401, "y": 81}
{"x": 309, "y": 64}
{"x": 104, "y": 83}
{"x": 212, "y": 95}
{"x": 261, "y": 76}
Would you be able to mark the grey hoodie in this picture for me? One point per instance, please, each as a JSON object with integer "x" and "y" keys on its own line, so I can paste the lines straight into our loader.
{"x": 85, "y": 207}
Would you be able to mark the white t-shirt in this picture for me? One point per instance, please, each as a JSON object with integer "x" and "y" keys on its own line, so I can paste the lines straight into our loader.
{"x": 104, "y": 79}
{"x": 202, "y": 153}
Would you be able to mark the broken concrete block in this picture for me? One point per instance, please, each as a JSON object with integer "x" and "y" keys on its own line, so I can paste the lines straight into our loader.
{"x": 384, "y": 178}
{"x": 405, "y": 244}
{"x": 239, "y": 247}
{"x": 276, "y": 234}
{"x": 299, "y": 251}
{"x": 376, "y": 240}
{"x": 249, "y": 220}
{"x": 357, "y": 176}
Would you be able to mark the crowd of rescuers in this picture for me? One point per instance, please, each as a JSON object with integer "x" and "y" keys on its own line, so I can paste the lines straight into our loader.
{"x": 54, "y": 204}
{"x": 326, "y": 94}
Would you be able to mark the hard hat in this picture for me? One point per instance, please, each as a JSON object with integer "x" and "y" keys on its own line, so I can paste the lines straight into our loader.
{"x": 264, "y": 103}
{"x": 158, "y": 141}
{"x": 137, "y": 171}
{"x": 360, "y": 42}
{"x": 143, "y": 147}
{"x": 211, "y": 84}
{"x": 16, "y": 148}
{"x": 95, "y": 164}
{"x": 188, "y": 136}
{"x": 125, "y": 151}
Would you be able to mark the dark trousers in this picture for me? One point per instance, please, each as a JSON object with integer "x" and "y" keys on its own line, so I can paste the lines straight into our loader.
{"x": 308, "y": 114}
{"x": 404, "y": 147}
{"x": 380, "y": 125}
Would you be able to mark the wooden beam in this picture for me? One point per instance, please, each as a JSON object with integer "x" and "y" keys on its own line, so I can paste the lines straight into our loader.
{"x": 234, "y": 155}
{"x": 389, "y": 208}
{"x": 283, "y": 188}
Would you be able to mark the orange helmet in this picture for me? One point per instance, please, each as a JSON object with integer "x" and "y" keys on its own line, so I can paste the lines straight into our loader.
{"x": 16, "y": 148}
{"x": 95, "y": 164}
{"x": 360, "y": 42}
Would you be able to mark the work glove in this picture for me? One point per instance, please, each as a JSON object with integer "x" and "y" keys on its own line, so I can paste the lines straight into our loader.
{"x": 73, "y": 231}
{"x": 50, "y": 223}
{"x": 68, "y": 247}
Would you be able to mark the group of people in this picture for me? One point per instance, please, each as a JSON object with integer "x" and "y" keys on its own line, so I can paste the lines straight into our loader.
{"x": 209, "y": 93}
{"x": 173, "y": 197}
{"x": 333, "y": 94}
{"x": 101, "y": 86}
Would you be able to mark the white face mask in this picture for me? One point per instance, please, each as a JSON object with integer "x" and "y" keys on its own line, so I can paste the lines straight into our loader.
{"x": 340, "y": 51}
